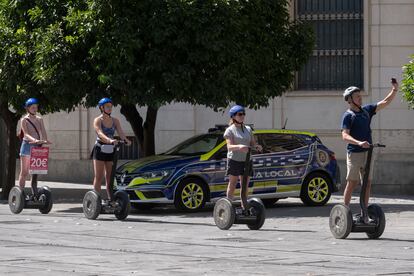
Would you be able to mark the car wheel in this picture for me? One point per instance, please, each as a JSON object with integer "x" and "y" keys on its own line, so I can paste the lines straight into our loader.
{"x": 190, "y": 195}
{"x": 316, "y": 189}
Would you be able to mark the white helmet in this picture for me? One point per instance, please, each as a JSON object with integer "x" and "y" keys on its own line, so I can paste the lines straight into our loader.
{"x": 349, "y": 91}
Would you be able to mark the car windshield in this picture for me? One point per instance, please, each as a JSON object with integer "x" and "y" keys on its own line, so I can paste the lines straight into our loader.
{"x": 196, "y": 145}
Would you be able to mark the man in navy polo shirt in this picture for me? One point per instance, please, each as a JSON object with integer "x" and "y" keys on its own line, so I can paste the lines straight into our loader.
{"x": 356, "y": 131}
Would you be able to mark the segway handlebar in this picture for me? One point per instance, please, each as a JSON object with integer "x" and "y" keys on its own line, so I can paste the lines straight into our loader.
{"x": 377, "y": 145}
{"x": 39, "y": 142}
{"x": 122, "y": 142}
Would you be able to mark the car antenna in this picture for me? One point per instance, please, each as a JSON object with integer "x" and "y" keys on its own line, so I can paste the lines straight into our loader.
{"x": 284, "y": 125}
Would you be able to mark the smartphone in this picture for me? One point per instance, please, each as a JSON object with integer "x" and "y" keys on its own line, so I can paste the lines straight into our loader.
{"x": 393, "y": 80}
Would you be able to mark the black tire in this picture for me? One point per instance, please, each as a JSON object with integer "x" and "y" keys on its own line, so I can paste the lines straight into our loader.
{"x": 316, "y": 189}
{"x": 92, "y": 205}
{"x": 260, "y": 212}
{"x": 124, "y": 205}
{"x": 16, "y": 200}
{"x": 340, "y": 221}
{"x": 48, "y": 199}
{"x": 190, "y": 195}
{"x": 376, "y": 213}
{"x": 224, "y": 214}
{"x": 269, "y": 202}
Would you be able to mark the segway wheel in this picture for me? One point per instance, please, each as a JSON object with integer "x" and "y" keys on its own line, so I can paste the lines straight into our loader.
{"x": 124, "y": 205}
{"x": 340, "y": 221}
{"x": 376, "y": 213}
{"x": 224, "y": 214}
{"x": 256, "y": 206}
{"x": 92, "y": 205}
{"x": 45, "y": 194}
{"x": 16, "y": 200}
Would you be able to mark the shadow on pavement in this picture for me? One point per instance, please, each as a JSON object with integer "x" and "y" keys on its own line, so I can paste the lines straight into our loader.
{"x": 382, "y": 239}
{"x": 168, "y": 215}
{"x": 279, "y": 210}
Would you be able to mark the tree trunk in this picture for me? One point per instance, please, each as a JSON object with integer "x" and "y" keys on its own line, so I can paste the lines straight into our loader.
{"x": 144, "y": 131}
{"x": 149, "y": 131}
{"x": 10, "y": 120}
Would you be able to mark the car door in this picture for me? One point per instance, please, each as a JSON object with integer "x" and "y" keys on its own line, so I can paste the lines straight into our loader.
{"x": 282, "y": 165}
{"x": 218, "y": 186}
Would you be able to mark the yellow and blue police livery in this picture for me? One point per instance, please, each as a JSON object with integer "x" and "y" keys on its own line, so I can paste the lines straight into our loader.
{"x": 292, "y": 164}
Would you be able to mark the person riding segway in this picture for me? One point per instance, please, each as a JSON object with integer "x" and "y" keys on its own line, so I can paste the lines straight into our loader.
{"x": 105, "y": 157}
{"x": 240, "y": 141}
{"x": 32, "y": 135}
{"x": 356, "y": 130}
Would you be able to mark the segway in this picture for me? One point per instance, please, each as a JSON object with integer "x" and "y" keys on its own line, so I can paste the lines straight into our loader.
{"x": 227, "y": 212}
{"x": 93, "y": 205}
{"x": 371, "y": 220}
{"x": 19, "y": 200}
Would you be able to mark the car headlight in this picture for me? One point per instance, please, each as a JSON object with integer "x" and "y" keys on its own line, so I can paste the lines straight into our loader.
{"x": 156, "y": 174}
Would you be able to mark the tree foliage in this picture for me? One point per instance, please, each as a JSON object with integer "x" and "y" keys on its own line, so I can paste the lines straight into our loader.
{"x": 407, "y": 87}
{"x": 28, "y": 29}
{"x": 212, "y": 52}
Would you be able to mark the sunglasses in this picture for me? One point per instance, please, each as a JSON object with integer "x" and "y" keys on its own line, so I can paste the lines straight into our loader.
{"x": 240, "y": 114}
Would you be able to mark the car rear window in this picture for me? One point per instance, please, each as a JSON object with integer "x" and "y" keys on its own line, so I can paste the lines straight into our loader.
{"x": 275, "y": 142}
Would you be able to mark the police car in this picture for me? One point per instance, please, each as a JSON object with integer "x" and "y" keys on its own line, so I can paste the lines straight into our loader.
{"x": 292, "y": 164}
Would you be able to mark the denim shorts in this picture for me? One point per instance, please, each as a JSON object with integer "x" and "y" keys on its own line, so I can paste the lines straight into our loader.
{"x": 25, "y": 148}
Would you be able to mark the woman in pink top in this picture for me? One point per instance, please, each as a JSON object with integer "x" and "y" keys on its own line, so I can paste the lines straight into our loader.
{"x": 34, "y": 135}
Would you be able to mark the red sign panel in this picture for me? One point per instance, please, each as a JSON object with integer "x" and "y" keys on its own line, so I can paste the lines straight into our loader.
{"x": 39, "y": 160}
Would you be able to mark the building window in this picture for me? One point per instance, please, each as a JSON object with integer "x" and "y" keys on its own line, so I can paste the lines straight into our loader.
{"x": 337, "y": 60}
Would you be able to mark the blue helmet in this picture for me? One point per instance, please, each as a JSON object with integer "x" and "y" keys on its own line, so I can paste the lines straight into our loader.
{"x": 31, "y": 101}
{"x": 235, "y": 109}
{"x": 104, "y": 101}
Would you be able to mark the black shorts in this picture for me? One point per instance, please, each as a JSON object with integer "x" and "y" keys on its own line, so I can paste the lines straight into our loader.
{"x": 98, "y": 155}
{"x": 236, "y": 168}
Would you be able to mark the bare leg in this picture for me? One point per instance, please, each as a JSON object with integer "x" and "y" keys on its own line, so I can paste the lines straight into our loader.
{"x": 350, "y": 186}
{"x": 98, "y": 167}
{"x": 24, "y": 170}
{"x": 108, "y": 170}
{"x": 34, "y": 185}
{"x": 368, "y": 193}
{"x": 244, "y": 191}
{"x": 231, "y": 186}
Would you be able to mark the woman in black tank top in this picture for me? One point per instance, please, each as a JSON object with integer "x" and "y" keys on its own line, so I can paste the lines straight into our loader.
{"x": 105, "y": 127}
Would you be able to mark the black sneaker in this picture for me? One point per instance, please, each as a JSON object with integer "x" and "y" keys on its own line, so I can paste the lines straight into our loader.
{"x": 369, "y": 220}
{"x": 252, "y": 211}
{"x": 246, "y": 212}
{"x": 358, "y": 219}
{"x": 31, "y": 198}
{"x": 239, "y": 211}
